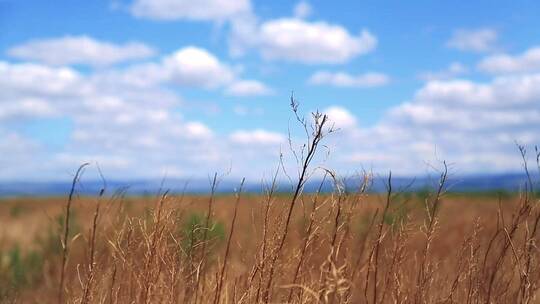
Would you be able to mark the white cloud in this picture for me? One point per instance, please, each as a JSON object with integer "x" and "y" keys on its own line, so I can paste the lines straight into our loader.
{"x": 79, "y": 50}
{"x": 129, "y": 120}
{"x": 110, "y": 119}
{"x": 453, "y": 70}
{"x": 507, "y": 91}
{"x": 205, "y": 10}
{"x": 302, "y": 10}
{"x": 258, "y": 137}
{"x": 139, "y": 75}
{"x": 18, "y": 155}
{"x": 32, "y": 90}
{"x": 340, "y": 117}
{"x": 312, "y": 42}
{"x": 188, "y": 67}
{"x": 528, "y": 61}
{"x": 297, "y": 40}
{"x": 340, "y": 79}
{"x": 472, "y": 125}
{"x": 192, "y": 66}
{"x": 248, "y": 88}
{"x": 243, "y": 34}
{"x": 291, "y": 39}
{"x": 26, "y": 107}
{"x": 457, "y": 92}
{"x": 132, "y": 130}
{"x": 198, "y": 130}
{"x": 475, "y": 40}
{"x": 38, "y": 79}
{"x": 138, "y": 131}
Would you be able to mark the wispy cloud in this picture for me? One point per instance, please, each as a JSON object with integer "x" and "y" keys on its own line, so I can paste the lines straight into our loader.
{"x": 474, "y": 40}
{"x": 453, "y": 70}
{"x": 258, "y": 137}
{"x": 248, "y": 88}
{"x": 341, "y": 79}
{"x": 528, "y": 61}
{"x": 302, "y": 10}
{"x": 79, "y": 50}
{"x": 207, "y": 10}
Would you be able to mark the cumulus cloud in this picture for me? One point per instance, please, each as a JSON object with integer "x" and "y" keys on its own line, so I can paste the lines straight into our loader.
{"x": 248, "y": 88}
{"x": 197, "y": 130}
{"x": 340, "y": 117}
{"x": 341, "y": 79}
{"x": 139, "y": 131}
{"x": 291, "y": 39}
{"x": 194, "y": 66}
{"x": 504, "y": 91}
{"x": 79, "y": 50}
{"x": 474, "y": 40}
{"x": 312, "y": 42}
{"x": 205, "y": 10}
{"x": 26, "y": 107}
{"x": 473, "y": 125}
{"x": 38, "y": 79}
{"x": 257, "y": 137}
{"x": 297, "y": 40}
{"x": 189, "y": 67}
{"x": 109, "y": 119}
{"x": 528, "y": 61}
{"x": 132, "y": 130}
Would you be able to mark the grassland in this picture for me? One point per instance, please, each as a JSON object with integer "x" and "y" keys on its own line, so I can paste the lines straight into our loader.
{"x": 340, "y": 248}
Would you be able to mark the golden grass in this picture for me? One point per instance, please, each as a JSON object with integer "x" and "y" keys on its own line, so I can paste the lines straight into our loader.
{"x": 480, "y": 250}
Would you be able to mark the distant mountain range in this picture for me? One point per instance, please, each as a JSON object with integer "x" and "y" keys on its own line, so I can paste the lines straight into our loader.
{"x": 469, "y": 183}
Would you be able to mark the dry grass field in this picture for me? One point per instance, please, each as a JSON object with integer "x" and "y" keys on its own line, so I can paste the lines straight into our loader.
{"x": 338, "y": 248}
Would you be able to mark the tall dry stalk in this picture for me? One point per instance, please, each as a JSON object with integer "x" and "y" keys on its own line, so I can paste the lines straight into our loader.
{"x": 65, "y": 241}
{"x": 200, "y": 271}
{"x": 91, "y": 264}
{"x": 222, "y": 274}
{"x": 424, "y": 273}
{"x": 313, "y": 141}
{"x": 307, "y": 238}
{"x": 93, "y": 235}
{"x": 379, "y": 239}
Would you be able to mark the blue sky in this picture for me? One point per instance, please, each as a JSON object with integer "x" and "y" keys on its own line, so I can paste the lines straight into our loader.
{"x": 182, "y": 88}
